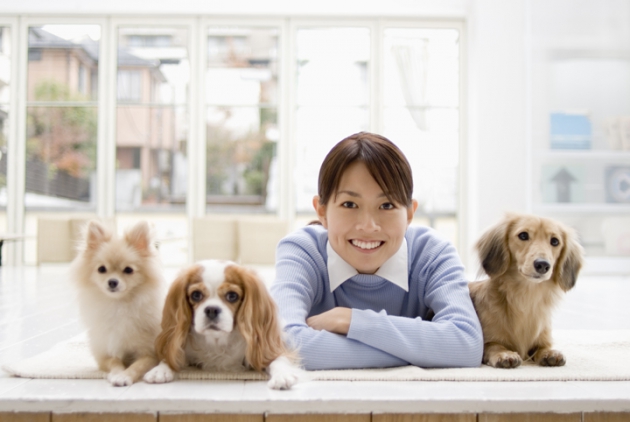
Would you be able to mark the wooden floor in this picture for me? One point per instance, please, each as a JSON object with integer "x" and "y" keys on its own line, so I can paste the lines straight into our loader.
{"x": 483, "y": 417}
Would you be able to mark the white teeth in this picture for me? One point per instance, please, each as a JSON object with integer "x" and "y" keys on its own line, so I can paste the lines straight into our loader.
{"x": 365, "y": 245}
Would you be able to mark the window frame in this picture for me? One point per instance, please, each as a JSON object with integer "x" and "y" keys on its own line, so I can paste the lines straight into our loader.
{"x": 196, "y": 103}
{"x": 13, "y": 216}
{"x": 17, "y": 224}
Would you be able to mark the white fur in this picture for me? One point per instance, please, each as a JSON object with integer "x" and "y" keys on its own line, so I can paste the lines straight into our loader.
{"x": 213, "y": 276}
{"x": 283, "y": 374}
{"x": 160, "y": 374}
{"x": 121, "y": 328}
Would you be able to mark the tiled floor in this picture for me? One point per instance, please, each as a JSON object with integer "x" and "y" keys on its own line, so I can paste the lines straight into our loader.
{"x": 38, "y": 310}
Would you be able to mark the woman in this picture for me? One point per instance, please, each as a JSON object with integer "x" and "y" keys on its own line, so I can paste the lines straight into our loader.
{"x": 358, "y": 289}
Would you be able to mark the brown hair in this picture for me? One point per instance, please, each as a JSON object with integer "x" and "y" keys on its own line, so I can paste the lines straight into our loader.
{"x": 384, "y": 160}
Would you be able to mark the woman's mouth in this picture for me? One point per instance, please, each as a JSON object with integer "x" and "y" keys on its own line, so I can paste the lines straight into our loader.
{"x": 366, "y": 245}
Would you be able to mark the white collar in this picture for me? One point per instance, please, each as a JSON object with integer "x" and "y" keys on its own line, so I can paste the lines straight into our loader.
{"x": 393, "y": 270}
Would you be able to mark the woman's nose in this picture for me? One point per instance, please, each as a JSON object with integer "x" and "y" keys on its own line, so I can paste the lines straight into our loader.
{"x": 367, "y": 222}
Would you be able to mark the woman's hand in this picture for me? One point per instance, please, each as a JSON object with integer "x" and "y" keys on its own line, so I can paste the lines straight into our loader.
{"x": 337, "y": 320}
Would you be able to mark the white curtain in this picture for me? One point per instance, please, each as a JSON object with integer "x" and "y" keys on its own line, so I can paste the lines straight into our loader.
{"x": 411, "y": 59}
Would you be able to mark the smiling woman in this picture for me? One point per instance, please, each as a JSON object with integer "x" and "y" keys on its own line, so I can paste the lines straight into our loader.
{"x": 373, "y": 196}
{"x": 356, "y": 290}
{"x": 363, "y": 224}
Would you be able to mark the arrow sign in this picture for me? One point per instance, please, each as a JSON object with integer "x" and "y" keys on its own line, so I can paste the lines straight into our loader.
{"x": 563, "y": 181}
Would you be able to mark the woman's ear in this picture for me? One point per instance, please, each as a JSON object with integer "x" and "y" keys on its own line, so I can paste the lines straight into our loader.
{"x": 320, "y": 209}
{"x": 411, "y": 210}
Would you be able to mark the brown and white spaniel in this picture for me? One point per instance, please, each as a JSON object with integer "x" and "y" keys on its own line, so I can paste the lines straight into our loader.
{"x": 219, "y": 316}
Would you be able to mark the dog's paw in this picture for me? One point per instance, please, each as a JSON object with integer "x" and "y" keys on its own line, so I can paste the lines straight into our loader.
{"x": 505, "y": 360}
{"x": 119, "y": 379}
{"x": 551, "y": 358}
{"x": 283, "y": 374}
{"x": 284, "y": 380}
{"x": 159, "y": 375}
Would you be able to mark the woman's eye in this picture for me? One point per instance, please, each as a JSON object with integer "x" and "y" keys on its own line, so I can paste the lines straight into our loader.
{"x": 388, "y": 206}
{"x": 231, "y": 297}
{"x": 196, "y": 296}
{"x": 554, "y": 241}
{"x": 128, "y": 270}
{"x": 349, "y": 204}
{"x": 523, "y": 236}
{"x": 102, "y": 269}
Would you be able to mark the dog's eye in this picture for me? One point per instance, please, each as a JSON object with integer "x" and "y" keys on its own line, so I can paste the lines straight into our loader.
{"x": 102, "y": 269}
{"x": 554, "y": 241}
{"x": 128, "y": 270}
{"x": 523, "y": 236}
{"x": 231, "y": 297}
{"x": 196, "y": 296}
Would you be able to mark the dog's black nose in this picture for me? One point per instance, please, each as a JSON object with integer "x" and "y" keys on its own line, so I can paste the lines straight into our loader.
{"x": 541, "y": 266}
{"x": 212, "y": 312}
{"x": 112, "y": 283}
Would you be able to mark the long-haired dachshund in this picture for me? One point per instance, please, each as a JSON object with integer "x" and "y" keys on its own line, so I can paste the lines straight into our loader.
{"x": 531, "y": 262}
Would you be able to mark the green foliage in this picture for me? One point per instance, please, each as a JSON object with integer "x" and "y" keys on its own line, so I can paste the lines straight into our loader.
{"x": 219, "y": 158}
{"x": 257, "y": 173}
{"x": 243, "y": 159}
{"x": 62, "y": 136}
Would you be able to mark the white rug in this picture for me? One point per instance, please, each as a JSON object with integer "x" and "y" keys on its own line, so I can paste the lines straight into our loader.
{"x": 590, "y": 355}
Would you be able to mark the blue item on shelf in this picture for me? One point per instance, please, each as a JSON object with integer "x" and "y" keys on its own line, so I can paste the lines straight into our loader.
{"x": 570, "y": 131}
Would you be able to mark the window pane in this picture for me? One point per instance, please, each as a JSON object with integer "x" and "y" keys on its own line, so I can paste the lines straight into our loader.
{"x": 332, "y": 66}
{"x": 421, "y": 115}
{"x": 241, "y": 119}
{"x": 129, "y": 88}
{"x": 5, "y": 84}
{"x": 151, "y": 132}
{"x": 332, "y": 98}
{"x": 62, "y": 117}
{"x": 150, "y": 160}
{"x": 60, "y": 157}
{"x": 239, "y": 157}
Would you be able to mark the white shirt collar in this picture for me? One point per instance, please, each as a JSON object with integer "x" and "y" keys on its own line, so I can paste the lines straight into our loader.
{"x": 393, "y": 270}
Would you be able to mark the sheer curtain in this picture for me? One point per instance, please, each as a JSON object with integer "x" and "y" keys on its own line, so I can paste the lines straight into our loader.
{"x": 412, "y": 59}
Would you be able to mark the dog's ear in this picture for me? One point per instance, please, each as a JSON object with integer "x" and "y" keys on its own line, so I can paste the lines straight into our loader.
{"x": 492, "y": 248}
{"x": 176, "y": 321}
{"x": 95, "y": 235}
{"x": 257, "y": 319}
{"x": 570, "y": 261}
{"x": 139, "y": 236}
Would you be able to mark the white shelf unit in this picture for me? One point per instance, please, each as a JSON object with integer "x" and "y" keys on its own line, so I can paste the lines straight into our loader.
{"x": 583, "y": 70}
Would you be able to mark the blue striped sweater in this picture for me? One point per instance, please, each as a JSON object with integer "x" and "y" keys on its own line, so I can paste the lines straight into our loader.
{"x": 389, "y": 326}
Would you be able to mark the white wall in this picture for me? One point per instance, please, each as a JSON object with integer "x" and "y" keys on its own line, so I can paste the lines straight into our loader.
{"x": 497, "y": 112}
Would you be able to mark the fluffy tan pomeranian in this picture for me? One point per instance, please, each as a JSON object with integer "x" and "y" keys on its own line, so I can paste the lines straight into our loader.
{"x": 121, "y": 294}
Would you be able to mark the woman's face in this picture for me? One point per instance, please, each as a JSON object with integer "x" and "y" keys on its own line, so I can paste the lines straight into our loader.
{"x": 364, "y": 227}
